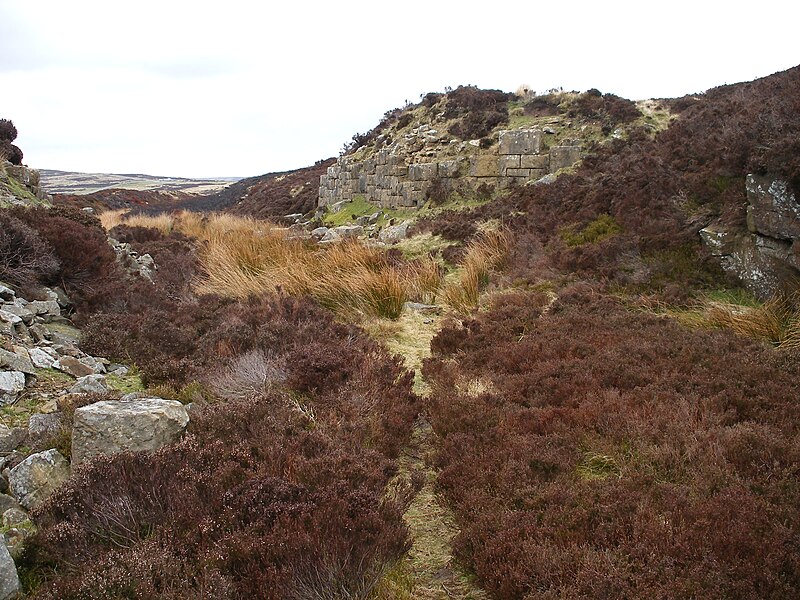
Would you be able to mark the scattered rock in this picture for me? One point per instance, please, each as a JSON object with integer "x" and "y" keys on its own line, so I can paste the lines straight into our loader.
{"x": 349, "y": 231}
{"x": 6, "y": 293}
{"x": 319, "y": 233}
{"x": 394, "y": 233}
{"x": 425, "y": 309}
{"x": 72, "y": 366}
{"x": 41, "y": 426}
{"x": 118, "y": 370}
{"x": 546, "y": 180}
{"x": 14, "y": 516}
{"x": 9, "y": 317}
{"x": 17, "y": 360}
{"x": 9, "y": 580}
{"x": 7, "y": 503}
{"x": 43, "y": 358}
{"x": 90, "y": 384}
{"x": 45, "y": 307}
{"x": 11, "y": 384}
{"x": 10, "y": 438}
{"x": 35, "y": 478}
{"x": 110, "y": 427}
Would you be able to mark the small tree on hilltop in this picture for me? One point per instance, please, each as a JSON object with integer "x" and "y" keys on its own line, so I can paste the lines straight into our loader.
{"x": 7, "y": 130}
{"x": 8, "y": 151}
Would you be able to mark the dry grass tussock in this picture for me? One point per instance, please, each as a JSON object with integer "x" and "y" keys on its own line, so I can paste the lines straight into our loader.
{"x": 777, "y": 321}
{"x": 242, "y": 257}
{"x": 487, "y": 252}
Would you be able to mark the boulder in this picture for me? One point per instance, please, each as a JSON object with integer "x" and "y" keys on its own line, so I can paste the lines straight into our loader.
{"x": 394, "y": 233}
{"x": 6, "y": 293}
{"x": 45, "y": 307}
{"x": 72, "y": 366}
{"x": 19, "y": 360}
{"x": 35, "y": 478}
{"x": 138, "y": 424}
{"x": 7, "y": 503}
{"x": 11, "y": 438}
{"x": 9, "y": 580}
{"x": 41, "y": 426}
{"x": 14, "y": 516}
{"x": 11, "y": 384}
{"x": 18, "y": 308}
{"x": 43, "y": 358}
{"x": 90, "y": 384}
{"x": 349, "y": 231}
{"x": 9, "y": 317}
{"x": 319, "y": 233}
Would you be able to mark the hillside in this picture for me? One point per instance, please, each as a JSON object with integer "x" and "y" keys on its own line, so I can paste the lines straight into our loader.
{"x": 514, "y": 346}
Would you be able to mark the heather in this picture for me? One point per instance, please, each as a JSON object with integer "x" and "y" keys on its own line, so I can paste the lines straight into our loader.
{"x": 278, "y": 488}
{"x": 616, "y": 454}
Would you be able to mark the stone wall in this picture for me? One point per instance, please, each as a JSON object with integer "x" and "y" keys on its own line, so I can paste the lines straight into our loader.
{"x": 402, "y": 175}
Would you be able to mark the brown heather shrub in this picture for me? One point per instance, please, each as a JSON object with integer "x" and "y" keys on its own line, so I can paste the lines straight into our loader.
{"x": 25, "y": 258}
{"x": 616, "y": 454}
{"x": 276, "y": 492}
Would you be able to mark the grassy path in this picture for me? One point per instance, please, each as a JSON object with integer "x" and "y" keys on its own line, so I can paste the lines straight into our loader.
{"x": 429, "y": 571}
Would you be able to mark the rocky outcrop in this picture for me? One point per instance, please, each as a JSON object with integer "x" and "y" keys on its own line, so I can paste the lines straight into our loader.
{"x": 404, "y": 173}
{"x": 20, "y": 185}
{"x": 768, "y": 254}
{"x": 109, "y": 427}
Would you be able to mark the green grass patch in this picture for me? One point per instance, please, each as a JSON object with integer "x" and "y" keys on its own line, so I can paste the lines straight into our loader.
{"x": 126, "y": 384}
{"x": 597, "y": 467}
{"x": 350, "y": 211}
{"x": 602, "y": 228}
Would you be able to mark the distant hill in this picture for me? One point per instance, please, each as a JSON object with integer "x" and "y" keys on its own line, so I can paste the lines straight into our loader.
{"x": 67, "y": 182}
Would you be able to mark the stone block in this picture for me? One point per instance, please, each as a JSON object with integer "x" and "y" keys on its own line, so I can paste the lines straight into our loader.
{"x": 422, "y": 171}
{"x": 508, "y": 161}
{"x": 483, "y": 165}
{"x": 520, "y": 141}
{"x": 450, "y": 168}
{"x": 518, "y": 173}
{"x": 534, "y": 161}
{"x": 562, "y": 157}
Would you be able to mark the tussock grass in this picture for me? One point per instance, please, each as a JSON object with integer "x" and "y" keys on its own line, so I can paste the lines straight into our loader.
{"x": 243, "y": 257}
{"x": 776, "y": 321}
{"x": 111, "y": 218}
{"x": 489, "y": 251}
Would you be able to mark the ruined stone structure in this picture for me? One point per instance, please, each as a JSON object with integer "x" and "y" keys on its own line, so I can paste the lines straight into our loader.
{"x": 401, "y": 175}
{"x": 769, "y": 253}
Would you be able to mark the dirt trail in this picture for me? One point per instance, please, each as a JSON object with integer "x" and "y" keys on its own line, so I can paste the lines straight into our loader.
{"x": 429, "y": 570}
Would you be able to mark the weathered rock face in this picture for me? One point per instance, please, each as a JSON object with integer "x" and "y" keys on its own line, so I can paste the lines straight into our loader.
{"x": 769, "y": 254}
{"x": 138, "y": 424}
{"x": 11, "y": 384}
{"x": 9, "y": 580}
{"x": 35, "y": 478}
{"x": 401, "y": 175}
{"x": 14, "y": 178}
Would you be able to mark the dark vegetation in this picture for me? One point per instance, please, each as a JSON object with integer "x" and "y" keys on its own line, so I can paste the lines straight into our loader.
{"x": 614, "y": 454}
{"x": 277, "y": 491}
{"x": 60, "y": 246}
{"x": 478, "y": 111}
{"x": 9, "y": 151}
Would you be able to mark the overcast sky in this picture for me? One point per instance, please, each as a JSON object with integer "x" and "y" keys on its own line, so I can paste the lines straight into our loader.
{"x": 240, "y": 88}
